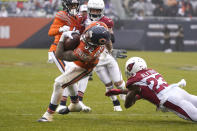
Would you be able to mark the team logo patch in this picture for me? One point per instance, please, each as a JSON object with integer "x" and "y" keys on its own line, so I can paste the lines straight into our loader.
{"x": 130, "y": 66}
{"x": 102, "y": 41}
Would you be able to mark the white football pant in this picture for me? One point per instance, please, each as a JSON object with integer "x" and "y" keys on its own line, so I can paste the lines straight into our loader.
{"x": 181, "y": 103}
{"x": 69, "y": 78}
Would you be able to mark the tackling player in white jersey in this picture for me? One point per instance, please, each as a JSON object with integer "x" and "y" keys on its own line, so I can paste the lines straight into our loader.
{"x": 107, "y": 68}
{"x": 148, "y": 84}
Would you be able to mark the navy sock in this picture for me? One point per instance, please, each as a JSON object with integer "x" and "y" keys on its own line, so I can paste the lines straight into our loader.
{"x": 52, "y": 108}
{"x": 63, "y": 101}
{"x": 74, "y": 99}
{"x": 116, "y": 102}
{"x": 80, "y": 98}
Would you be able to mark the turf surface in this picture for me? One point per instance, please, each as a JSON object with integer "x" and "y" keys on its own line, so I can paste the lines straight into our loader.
{"x": 26, "y": 81}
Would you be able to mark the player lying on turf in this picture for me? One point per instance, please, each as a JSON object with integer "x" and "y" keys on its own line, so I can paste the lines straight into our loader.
{"x": 80, "y": 62}
{"x": 148, "y": 84}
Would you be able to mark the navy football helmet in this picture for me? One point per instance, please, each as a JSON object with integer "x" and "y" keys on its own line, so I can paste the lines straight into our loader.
{"x": 71, "y": 6}
{"x": 96, "y": 35}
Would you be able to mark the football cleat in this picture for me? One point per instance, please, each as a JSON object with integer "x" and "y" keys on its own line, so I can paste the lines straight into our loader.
{"x": 47, "y": 117}
{"x": 117, "y": 108}
{"x": 60, "y": 107}
{"x": 64, "y": 111}
{"x": 84, "y": 107}
{"x": 182, "y": 83}
{"x": 43, "y": 119}
{"x": 74, "y": 107}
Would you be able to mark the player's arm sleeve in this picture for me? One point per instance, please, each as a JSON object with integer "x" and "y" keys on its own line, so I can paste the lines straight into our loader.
{"x": 110, "y": 23}
{"x": 64, "y": 55}
{"x": 54, "y": 29}
{"x": 131, "y": 95}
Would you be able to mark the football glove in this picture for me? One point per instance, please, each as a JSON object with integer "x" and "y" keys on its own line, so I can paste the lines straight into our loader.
{"x": 67, "y": 34}
{"x": 119, "y": 53}
{"x": 64, "y": 28}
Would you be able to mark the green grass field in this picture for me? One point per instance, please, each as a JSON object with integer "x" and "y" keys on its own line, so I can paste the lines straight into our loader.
{"x": 26, "y": 81}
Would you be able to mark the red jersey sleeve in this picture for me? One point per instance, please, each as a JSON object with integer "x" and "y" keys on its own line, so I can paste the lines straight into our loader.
{"x": 109, "y": 22}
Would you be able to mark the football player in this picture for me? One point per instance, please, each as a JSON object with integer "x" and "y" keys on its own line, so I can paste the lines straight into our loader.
{"x": 64, "y": 21}
{"x": 150, "y": 85}
{"x": 107, "y": 68}
{"x": 80, "y": 62}
{"x": 83, "y": 10}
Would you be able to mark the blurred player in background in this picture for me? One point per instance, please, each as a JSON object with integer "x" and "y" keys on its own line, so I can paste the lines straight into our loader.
{"x": 65, "y": 20}
{"x": 83, "y": 11}
{"x": 80, "y": 63}
{"x": 148, "y": 84}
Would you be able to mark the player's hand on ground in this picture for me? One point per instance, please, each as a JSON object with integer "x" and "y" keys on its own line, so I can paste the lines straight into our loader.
{"x": 64, "y": 28}
{"x": 113, "y": 92}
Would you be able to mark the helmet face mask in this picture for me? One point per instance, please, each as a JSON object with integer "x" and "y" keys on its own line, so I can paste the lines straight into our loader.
{"x": 95, "y": 9}
{"x": 71, "y": 6}
{"x": 95, "y": 14}
{"x": 133, "y": 65}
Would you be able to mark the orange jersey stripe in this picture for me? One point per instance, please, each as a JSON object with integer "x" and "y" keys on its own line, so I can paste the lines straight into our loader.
{"x": 62, "y": 64}
{"x": 62, "y": 18}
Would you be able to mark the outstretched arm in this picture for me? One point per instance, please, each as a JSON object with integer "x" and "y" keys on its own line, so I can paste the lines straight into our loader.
{"x": 132, "y": 95}
{"x": 130, "y": 99}
{"x": 116, "y": 92}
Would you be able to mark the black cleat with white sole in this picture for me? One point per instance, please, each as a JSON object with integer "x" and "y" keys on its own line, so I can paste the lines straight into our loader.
{"x": 64, "y": 111}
